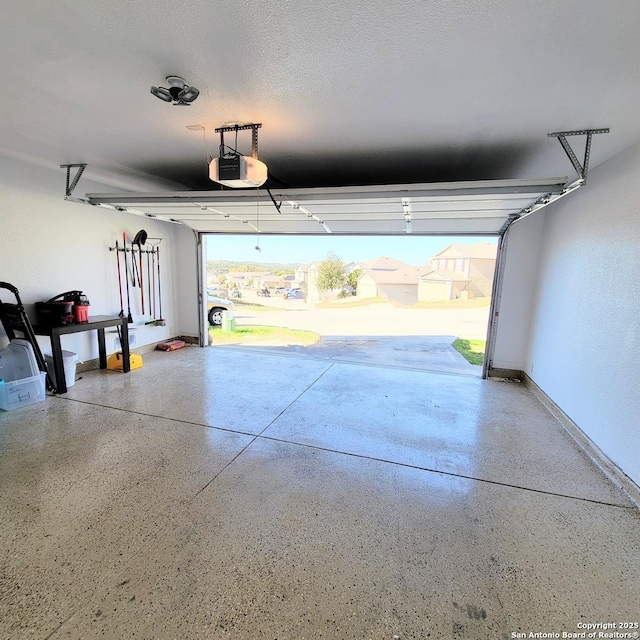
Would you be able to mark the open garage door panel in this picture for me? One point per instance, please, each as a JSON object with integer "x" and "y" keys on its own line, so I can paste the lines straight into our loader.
{"x": 479, "y": 207}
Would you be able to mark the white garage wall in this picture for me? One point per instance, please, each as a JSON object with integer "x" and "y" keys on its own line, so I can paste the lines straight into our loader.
{"x": 585, "y": 331}
{"x": 49, "y": 246}
{"x": 186, "y": 281}
{"x": 516, "y": 307}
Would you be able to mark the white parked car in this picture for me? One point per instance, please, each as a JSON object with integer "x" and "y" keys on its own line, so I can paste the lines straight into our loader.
{"x": 216, "y": 306}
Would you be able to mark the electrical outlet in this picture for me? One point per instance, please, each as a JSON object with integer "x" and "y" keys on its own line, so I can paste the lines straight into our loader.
{"x": 132, "y": 341}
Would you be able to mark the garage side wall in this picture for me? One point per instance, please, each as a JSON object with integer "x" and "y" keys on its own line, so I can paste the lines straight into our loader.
{"x": 49, "y": 246}
{"x": 523, "y": 245}
{"x": 585, "y": 331}
{"x": 186, "y": 282}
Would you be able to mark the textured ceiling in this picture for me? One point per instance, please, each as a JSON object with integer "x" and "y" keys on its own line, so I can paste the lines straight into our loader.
{"x": 366, "y": 92}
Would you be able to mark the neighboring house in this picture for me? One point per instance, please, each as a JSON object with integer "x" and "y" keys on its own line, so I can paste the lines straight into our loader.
{"x": 388, "y": 278}
{"x": 301, "y": 274}
{"x": 311, "y": 283}
{"x": 271, "y": 281}
{"x": 236, "y": 279}
{"x": 379, "y": 264}
{"x": 443, "y": 285}
{"x": 459, "y": 271}
{"x": 253, "y": 279}
{"x": 349, "y": 267}
{"x": 399, "y": 285}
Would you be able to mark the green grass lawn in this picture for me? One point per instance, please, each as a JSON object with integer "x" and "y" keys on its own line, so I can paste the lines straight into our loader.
{"x": 253, "y": 334}
{"x": 472, "y": 350}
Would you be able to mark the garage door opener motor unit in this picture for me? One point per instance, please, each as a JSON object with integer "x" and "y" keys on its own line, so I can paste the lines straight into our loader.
{"x": 232, "y": 169}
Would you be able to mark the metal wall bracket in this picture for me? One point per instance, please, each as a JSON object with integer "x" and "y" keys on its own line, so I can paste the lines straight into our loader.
{"x": 72, "y": 184}
{"x": 581, "y": 169}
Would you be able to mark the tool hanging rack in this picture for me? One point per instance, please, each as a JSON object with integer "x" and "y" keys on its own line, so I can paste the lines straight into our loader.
{"x": 154, "y": 248}
{"x": 121, "y": 250}
{"x": 134, "y": 271}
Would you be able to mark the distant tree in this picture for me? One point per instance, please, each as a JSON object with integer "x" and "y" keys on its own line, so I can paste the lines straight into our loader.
{"x": 330, "y": 273}
{"x": 283, "y": 272}
{"x": 352, "y": 279}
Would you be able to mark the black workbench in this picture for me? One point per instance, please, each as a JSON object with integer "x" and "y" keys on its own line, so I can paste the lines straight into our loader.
{"x": 99, "y": 323}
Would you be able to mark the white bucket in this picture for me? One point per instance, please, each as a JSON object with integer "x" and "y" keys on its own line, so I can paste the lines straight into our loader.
{"x": 69, "y": 361}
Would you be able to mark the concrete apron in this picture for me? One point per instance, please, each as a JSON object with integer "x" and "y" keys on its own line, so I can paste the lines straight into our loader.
{"x": 420, "y": 353}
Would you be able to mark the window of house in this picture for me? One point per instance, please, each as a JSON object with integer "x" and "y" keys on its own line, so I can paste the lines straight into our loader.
{"x": 442, "y": 263}
{"x": 459, "y": 264}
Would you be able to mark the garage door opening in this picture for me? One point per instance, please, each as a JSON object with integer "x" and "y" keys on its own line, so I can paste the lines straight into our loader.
{"x": 484, "y": 209}
{"x": 419, "y": 302}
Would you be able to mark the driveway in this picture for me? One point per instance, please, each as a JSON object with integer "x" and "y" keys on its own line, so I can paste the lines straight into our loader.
{"x": 378, "y": 334}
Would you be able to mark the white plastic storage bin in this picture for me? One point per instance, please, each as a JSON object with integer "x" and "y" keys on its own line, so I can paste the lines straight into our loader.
{"x": 69, "y": 361}
{"x": 18, "y": 361}
{"x": 21, "y": 393}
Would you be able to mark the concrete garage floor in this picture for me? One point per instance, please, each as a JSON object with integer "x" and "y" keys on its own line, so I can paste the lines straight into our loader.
{"x": 228, "y": 493}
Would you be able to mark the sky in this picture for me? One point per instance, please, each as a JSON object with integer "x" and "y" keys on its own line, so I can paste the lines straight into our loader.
{"x": 415, "y": 250}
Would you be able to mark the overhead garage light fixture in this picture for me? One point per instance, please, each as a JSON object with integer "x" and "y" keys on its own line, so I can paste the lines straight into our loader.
{"x": 231, "y": 168}
{"x": 179, "y": 92}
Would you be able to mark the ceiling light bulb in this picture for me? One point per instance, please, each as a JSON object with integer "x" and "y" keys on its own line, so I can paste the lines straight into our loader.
{"x": 162, "y": 93}
{"x": 179, "y": 92}
{"x": 188, "y": 94}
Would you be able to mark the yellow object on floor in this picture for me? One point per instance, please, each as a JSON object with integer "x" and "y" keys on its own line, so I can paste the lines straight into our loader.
{"x": 115, "y": 361}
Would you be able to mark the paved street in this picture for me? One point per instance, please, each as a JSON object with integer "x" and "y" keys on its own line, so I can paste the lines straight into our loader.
{"x": 381, "y": 319}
